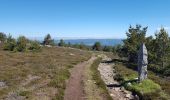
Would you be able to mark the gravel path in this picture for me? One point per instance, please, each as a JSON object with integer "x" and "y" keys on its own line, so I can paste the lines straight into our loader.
{"x": 116, "y": 91}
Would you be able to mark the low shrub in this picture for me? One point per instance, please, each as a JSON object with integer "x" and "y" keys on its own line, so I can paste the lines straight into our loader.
{"x": 34, "y": 46}
{"x": 21, "y": 44}
{"x": 118, "y": 77}
{"x": 10, "y": 43}
{"x": 146, "y": 86}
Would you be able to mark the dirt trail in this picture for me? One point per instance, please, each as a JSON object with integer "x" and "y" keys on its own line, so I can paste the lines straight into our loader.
{"x": 74, "y": 86}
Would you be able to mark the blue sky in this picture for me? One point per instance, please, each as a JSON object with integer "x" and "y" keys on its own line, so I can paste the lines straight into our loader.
{"x": 81, "y": 18}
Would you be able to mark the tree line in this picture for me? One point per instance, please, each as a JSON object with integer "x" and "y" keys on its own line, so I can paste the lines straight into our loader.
{"x": 22, "y": 44}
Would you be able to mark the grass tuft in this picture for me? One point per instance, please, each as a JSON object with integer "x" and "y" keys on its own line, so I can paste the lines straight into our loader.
{"x": 146, "y": 86}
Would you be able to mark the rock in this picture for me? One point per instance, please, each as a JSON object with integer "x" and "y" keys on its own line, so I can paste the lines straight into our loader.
{"x": 2, "y": 85}
{"x": 126, "y": 92}
{"x": 136, "y": 97}
{"x": 136, "y": 78}
{"x": 128, "y": 96}
{"x": 142, "y": 62}
{"x": 48, "y": 46}
{"x": 88, "y": 80}
{"x": 111, "y": 94}
{"x": 122, "y": 88}
{"x": 71, "y": 54}
{"x": 129, "y": 84}
{"x": 117, "y": 89}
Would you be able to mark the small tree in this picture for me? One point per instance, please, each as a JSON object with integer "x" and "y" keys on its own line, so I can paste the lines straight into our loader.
{"x": 97, "y": 46}
{"x": 69, "y": 44}
{"x": 151, "y": 47}
{"x": 48, "y": 40}
{"x": 108, "y": 48}
{"x": 162, "y": 46}
{"x": 21, "y": 44}
{"x": 34, "y": 46}
{"x": 135, "y": 36}
{"x": 61, "y": 43}
{"x": 10, "y": 43}
{"x": 2, "y": 37}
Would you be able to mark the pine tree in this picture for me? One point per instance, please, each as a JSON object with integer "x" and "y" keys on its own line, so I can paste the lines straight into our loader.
{"x": 10, "y": 43}
{"x": 61, "y": 43}
{"x": 97, "y": 46}
{"x": 135, "y": 36}
{"x": 162, "y": 46}
{"x": 22, "y": 44}
{"x": 48, "y": 40}
{"x": 2, "y": 37}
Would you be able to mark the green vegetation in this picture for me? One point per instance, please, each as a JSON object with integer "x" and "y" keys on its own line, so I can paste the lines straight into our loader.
{"x": 146, "y": 86}
{"x": 108, "y": 49}
{"x": 162, "y": 48}
{"x": 147, "y": 90}
{"x": 34, "y": 46}
{"x": 98, "y": 81}
{"x": 61, "y": 43}
{"x": 2, "y": 37}
{"x": 97, "y": 46}
{"x": 10, "y": 44}
{"x": 135, "y": 36}
{"x": 22, "y": 44}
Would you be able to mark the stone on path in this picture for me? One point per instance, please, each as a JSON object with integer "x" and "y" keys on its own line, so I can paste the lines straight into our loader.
{"x": 2, "y": 84}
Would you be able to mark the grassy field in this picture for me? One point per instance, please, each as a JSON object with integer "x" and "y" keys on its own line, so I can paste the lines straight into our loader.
{"x": 37, "y": 75}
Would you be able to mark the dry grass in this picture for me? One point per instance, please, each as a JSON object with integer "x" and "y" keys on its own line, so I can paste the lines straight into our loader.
{"x": 38, "y": 75}
{"x": 91, "y": 90}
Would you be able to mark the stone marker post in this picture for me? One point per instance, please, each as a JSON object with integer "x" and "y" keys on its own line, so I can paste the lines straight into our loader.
{"x": 142, "y": 63}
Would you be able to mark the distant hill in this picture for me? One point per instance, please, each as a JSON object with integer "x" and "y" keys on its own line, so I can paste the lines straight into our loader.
{"x": 90, "y": 42}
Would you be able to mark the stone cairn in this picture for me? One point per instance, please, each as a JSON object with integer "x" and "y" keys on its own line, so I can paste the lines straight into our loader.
{"x": 142, "y": 63}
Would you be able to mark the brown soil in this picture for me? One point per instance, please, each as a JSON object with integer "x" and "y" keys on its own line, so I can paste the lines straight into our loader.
{"x": 74, "y": 88}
